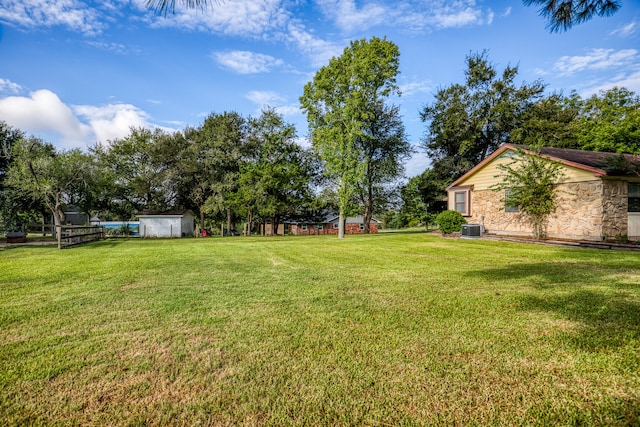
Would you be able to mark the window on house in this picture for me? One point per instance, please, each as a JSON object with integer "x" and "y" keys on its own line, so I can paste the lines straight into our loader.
{"x": 335, "y": 225}
{"x": 304, "y": 227}
{"x": 361, "y": 226}
{"x": 461, "y": 202}
{"x": 634, "y": 197}
{"x": 319, "y": 227}
{"x": 507, "y": 207}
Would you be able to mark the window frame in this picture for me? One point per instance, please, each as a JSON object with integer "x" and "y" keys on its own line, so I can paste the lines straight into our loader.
{"x": 465, "y": 191}
{"x": 633, "y": 202}
{"x": 509, "y": 208}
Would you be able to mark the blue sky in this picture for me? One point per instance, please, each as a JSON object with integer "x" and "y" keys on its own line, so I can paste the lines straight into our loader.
{"x": 74, "y": 72}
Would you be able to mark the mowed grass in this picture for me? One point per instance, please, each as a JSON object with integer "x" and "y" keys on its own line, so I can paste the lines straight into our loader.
{"x": 389, "y": 329}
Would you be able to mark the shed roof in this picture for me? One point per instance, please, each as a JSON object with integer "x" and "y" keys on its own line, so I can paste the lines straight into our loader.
{"x": 172, "y": 213}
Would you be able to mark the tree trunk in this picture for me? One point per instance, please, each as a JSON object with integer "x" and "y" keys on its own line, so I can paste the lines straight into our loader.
{"x": 341, "y": 224}
{"x": 229, "y": 221}
{"x": 368, "y": 209}
{"x": 367, "y": 219}
{"x": 43, "y": 215}
{"x": 201, "y": 219}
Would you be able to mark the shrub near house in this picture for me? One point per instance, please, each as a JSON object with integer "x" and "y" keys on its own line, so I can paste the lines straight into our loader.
{"x": 450, "y": 222}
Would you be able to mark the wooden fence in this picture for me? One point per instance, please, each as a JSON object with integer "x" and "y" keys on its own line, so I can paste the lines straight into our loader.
{"x": 70, "y": 235}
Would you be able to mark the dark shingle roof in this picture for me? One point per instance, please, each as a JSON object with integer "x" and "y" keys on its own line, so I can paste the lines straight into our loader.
{"x": 592, "y": 159}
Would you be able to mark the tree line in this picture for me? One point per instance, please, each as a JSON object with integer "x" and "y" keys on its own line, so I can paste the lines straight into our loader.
{"x": 250, "y": 169}
{"x": 228, "y": 169}
{"x": 232, "y": 168}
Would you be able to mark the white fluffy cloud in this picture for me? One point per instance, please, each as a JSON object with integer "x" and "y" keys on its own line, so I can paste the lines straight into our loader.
{"x": 72, "y": 14}
{"x": 450, "y": 17}
{"x": 317, "y": 50}
{"x": 410, "y": 15}
{"x": 627, "y": 30}
{"x": 629, "y": 81}
{"x": 9, "y": 86}
{"x": 112, "y": 121}
{"x": 410, "y": 88}
{"x": 246, "y": 18}
{"x": 42, "y": 113}
{"x": 596, "y": 59}
{"x": 264, "y": 99}
{"x": 245, "y": 62}
{"x": 348, "y": 17}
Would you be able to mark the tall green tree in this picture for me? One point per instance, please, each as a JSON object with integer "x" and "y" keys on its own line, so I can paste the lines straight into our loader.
{"x": 551, "y": 122}
{"x": 9, "y": 199}
{"x": 220, "y": 146}
{"x": 275, "y": 180}
{"x": 54, "y": 178}
{"x": 467, "y": 122}
{"x": 610, "y": 121}
{"x": 564, "y": 14}
{"x": 339, "y": 103}
{"x": 139, "y": 170}
{"x": 384, "y": 148}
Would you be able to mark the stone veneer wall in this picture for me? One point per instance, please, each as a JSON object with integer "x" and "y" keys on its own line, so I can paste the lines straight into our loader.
{"x": 615, "y": 221}
{"x": 585, "y": 210}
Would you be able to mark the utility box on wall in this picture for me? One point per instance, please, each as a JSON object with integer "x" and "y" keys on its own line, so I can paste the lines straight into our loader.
{"x": 471, "y": 230}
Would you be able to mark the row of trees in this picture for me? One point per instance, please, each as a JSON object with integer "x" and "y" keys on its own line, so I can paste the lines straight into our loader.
{"x": 235, "y": 167}
{"x": 230, "y": 168}
{"x": 468, "y": 121}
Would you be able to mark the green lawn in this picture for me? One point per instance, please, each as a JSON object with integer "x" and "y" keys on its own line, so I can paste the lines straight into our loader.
{"x": 389, "y": 329}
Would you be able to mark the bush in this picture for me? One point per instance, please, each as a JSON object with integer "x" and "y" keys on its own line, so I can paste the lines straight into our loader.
{"x": 450, "y": 222}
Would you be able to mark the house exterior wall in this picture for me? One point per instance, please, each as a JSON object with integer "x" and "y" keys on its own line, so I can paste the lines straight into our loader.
{"x": 311, "y": 229}
{"x": 615, "y": 206}
{"x": 490, "y": 174}
{"x": 588, "y": 210}
{"x": 634, "y": 225}
{"x": 327, "y": 228}
{"x": 267, "y": 229}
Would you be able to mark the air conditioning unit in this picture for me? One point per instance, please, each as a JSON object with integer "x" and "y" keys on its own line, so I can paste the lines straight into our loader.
{"x": 471, "y": 230}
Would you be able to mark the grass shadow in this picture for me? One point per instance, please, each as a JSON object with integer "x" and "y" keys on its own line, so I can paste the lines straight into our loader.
{"x": 603, "y": 300}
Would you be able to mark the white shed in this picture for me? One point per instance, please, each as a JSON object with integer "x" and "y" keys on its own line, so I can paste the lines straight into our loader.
{"x": 166, "y": 224}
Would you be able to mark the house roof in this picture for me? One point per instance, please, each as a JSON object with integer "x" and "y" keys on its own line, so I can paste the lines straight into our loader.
{"x": 358, "y": 219}
{"x": 331, "y": 218}
{"x": 598, "y": 163}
